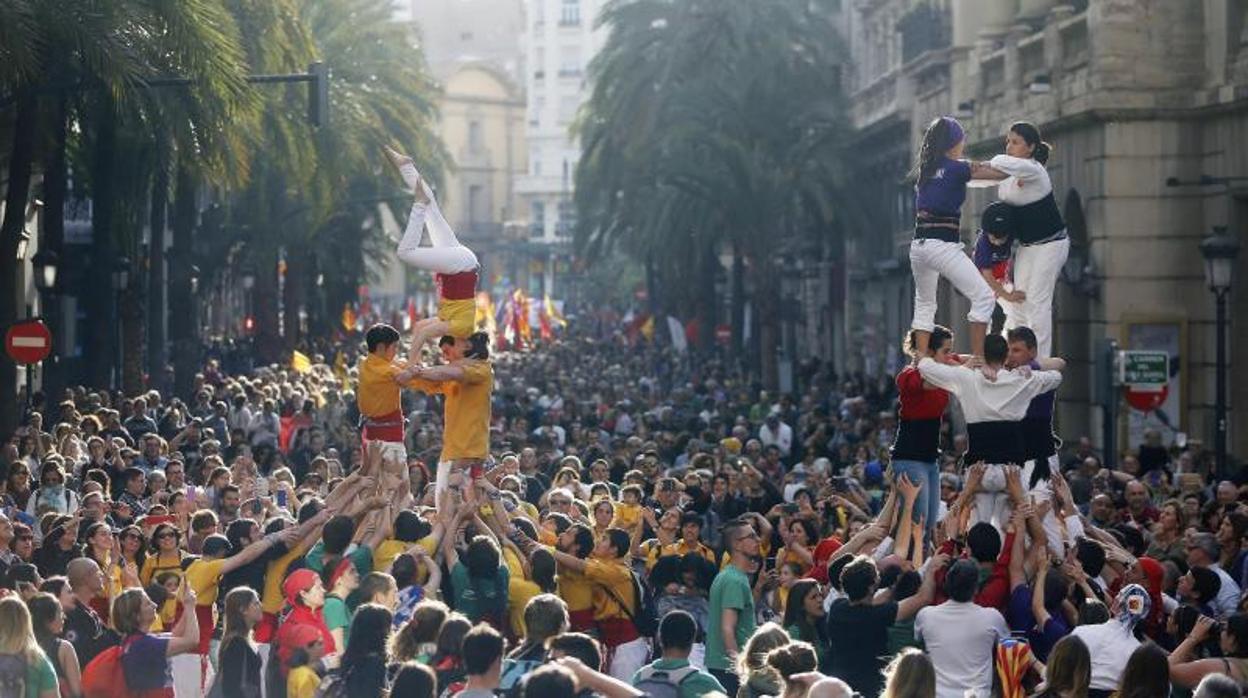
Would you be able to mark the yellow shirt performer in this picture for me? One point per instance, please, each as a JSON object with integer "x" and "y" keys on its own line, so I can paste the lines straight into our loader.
{"x": 454, "y": 266}
{"x": 466, "y": 381}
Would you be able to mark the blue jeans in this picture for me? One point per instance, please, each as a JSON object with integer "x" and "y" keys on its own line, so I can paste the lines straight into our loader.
{"x": 927, "y": 477}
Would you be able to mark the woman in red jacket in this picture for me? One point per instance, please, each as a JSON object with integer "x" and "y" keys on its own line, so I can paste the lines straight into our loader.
{"x": 916, "y": 450}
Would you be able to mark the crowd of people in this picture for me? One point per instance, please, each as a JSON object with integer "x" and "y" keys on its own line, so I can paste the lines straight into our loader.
{"x": 602, "y": 517}
{"x": 649, "y": 523}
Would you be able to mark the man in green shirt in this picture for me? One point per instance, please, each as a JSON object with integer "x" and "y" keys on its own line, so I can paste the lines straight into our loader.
{"x": 677, "y": 631}
{"x": 732, "y": 606}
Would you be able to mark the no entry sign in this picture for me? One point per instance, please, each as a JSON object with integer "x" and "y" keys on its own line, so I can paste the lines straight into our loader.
{"x": 28, "y": 342}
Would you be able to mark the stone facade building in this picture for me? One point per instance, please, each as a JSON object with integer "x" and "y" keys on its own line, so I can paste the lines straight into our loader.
{"x": 1131, "y": 93}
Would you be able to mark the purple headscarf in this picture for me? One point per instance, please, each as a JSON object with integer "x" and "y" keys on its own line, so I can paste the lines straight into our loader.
{"x": 956, "y": 134}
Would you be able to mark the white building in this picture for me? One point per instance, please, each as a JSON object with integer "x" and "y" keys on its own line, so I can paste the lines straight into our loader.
{"x": 560, "y": 41}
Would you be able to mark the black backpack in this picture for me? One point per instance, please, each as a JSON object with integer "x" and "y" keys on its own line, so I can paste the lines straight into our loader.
{"x": 646, "y": 618}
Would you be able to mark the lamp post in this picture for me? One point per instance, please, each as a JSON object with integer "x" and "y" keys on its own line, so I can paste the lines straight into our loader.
{"x": 1220, "y": 251}
{"x": 121, "y": 280}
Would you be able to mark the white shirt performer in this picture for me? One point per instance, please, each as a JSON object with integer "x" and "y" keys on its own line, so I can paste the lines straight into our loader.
{"x": 1038, "y": 227}
{"x": 993, "y": 410}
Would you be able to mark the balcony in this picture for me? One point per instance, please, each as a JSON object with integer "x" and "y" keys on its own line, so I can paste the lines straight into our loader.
{"x": 924, "y": 28}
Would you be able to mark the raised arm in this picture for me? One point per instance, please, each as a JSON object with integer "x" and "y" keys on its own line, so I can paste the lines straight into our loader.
{"x": 186, "y": 636}
{"x": 941, "y": 375}
{"x": 1023, "y": 168}
{"x": 909, "y": 607}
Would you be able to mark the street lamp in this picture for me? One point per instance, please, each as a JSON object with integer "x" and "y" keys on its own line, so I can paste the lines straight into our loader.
{"x": 1220, "y": 251}
{"x": 45, "y": 265}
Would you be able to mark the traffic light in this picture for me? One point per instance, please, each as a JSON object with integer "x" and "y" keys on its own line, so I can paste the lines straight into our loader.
{"x": 249, "y": 324}
{"x": 318, "y": 94}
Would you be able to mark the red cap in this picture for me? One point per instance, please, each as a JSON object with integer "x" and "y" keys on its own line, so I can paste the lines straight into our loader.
{"x": 298, "y": 582}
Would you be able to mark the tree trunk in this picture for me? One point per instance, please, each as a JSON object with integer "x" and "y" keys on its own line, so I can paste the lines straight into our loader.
{"x": 157, "y": 349}
{"x": 293, "y": 296}
{"x": 132, "y": 312}
{"x": 55, "y": 189}
{"x": 20, "y": 160}
{"x": 767, "y": 311}
{"x": 183, "y": 338}
{"x": 708, "y": 316}
{"x": 268, "y": 338}
{"x": 738, "y": 302}
{"x": 102, "y": 316}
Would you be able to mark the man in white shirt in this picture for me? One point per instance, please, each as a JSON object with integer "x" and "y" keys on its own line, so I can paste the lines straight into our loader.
{"x": 776, "y": 433}
{"x": 1203, "y": 551}
{"x": 993, "y": 410}
{"x": 1111, "y": 643}
{"x": 961, "y": 636}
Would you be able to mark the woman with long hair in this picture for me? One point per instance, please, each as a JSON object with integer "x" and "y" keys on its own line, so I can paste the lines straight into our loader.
{"x": 164, "y": 554}
{"x": 17, "y": 484}
{"x": 803, "y": 616}
{"x": 758, "y": 678}
{"x": 1187, "y": 672}
{"x": 916, "y": 448}
{"x": 1038, "y": 227}
{"x": 145, "y": 657}
{"x": 790, "y": 661}
{"x": 799, "y": 546}
{"x": 239, "y": 659}
{"x": 1146, "y": 675}
{"x": 366, "y": 657}
{"x": 446, "y": 660}
{"x": 417, "y": 640}
{"x": 1167, "y": 532}
{"x": 910, "y": 675}
{"x": 941, "y": 176}
{"x": 1069, "y": 670}
{"x": 48, "y": 620}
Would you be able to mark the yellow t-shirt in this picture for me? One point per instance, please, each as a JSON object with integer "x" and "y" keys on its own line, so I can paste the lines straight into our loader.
{"x": 613, "y": 574}
{"x": 576, "y": 590}
{"x": 626, "y": 515}
{"x": 302, "y": 683}
{"x": 680, "y": 548}
{"x": 651, "y": 550}
{"x": 519, "y": 590}
{"x": 204, "y": 576}
{"x": 384, "y": 554}
{"x": 272, "y": 599}
{"x": 378, "y": 394}
{"x": 467, "y": 411}
{"x": 153, "y": 565}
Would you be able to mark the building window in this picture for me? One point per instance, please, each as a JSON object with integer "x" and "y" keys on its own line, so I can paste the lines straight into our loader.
{"x": 474, "y": 137}
{"x": 537, "y": 226}
{"x": 567, "y": 218}
{"x": 571, "y": 14}
{"x": 537, "y": 167}
{"x": 539, "y": 64}
{"x": 475, "y": 201}
{"x": 570, "y": 62}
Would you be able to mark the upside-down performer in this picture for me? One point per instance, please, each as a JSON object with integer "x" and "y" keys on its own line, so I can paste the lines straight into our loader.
{"x": 454, "y": 266}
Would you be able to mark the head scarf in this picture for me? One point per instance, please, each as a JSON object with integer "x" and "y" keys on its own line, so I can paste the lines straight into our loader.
{"x": 1154, "y": 578}
{"x": 956, "y": 134}
{"x": 1134, "y": 605}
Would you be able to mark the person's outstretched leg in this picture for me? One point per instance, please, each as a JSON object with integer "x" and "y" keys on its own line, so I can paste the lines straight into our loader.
{"x": 926, "y": 279}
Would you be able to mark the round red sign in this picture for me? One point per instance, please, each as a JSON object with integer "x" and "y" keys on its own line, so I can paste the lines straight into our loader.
{"x": 28, "y": 342}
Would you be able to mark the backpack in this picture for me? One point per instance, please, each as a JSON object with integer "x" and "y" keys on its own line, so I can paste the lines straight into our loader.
{"x": 105, "y": 677}
{"x": 513, "y": 671}
{"x": 333, "y": 685}
{"x": 646, "y": 619}
{"x": 12, "y": 676}
{"x": 662, "y": 683}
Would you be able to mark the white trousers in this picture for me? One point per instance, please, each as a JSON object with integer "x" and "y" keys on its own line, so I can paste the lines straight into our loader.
{"x": 628, "y": 658}
{"x": 192, "y": 675}
{"x": 992, "y": 501}
{"x": 1036, "y": 268}
{"x": 446, "y": 255}
{"x": 1043, "y": 492}
{"x": 932, "y": 259}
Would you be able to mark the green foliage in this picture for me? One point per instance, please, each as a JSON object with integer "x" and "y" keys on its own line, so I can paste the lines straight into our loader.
{"x": 712, "y": 122}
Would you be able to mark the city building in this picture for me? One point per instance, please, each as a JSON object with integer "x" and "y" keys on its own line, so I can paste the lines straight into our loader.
{"x": 561, "y": 39}
{"x": 1131, "y": 95}
{"x": 474, "y": 49}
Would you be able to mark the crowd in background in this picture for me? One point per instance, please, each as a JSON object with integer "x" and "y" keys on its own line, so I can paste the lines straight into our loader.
{"x": 653, "y": 523}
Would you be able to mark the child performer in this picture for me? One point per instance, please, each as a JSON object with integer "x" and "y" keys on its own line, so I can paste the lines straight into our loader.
{"x": 937, "y": 249}
{"x": 454, "y": 266}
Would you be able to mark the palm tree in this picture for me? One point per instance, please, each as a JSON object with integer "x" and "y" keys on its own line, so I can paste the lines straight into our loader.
{"x": 714, "y": 124}
{"x": 313, "y": 198}
{"x": 87, "y": 64}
